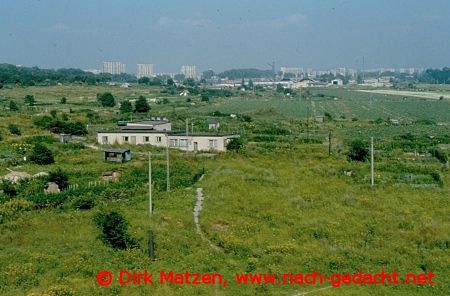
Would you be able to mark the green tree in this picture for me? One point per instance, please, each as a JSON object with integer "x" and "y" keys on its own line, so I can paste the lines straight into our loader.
{"x": 13, "y": 106}
{"x": 29, "y": 100}
{"x": 114, "y": 231}
{"x": 204, "y": 97}
{"x": 358, "y": 151}
{"x": 141, "y": 105}
{"x": 189, "y": 82}
{"x": 106, "y": 99}
{"x": 280, "y": 88}
{"x": 41, "y": 155}
{"x": 179, "y": 77}
{"x": 208, "y": 74}
{"x": 126, "y": 107}
{"x": 63, "y": 100}
{"x": 144, "y": 80}
{"x": 170, "y": 82}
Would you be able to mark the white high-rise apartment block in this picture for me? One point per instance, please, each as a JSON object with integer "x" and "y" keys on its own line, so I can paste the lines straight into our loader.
{"x": 189, "y": 71}
{"x": 113, "y": 67}
{"x": 145, "y": 70}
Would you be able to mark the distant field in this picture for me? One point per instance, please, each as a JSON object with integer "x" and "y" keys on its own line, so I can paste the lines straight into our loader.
{"x": 339, "y": 103}
{"x": 419, "y": 94}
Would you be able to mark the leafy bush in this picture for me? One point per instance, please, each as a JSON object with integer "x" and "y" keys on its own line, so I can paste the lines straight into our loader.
{"x": 63, "y": 100}
{"x": 41, "y": 155}
{"x": 29, "y": 100}
{"x": 114, "y": 231}
{"x": 34, "y": 140}
{"x": 73, "y": 128}
{"x": 12, "y": 208}
{"x": 59, "y": 177}
{"x": 437, "y": 178}
{"x": 439, "y": 154}
{"x": 204, "y": 97}
{"x": 14, "y": 129}
{"x": 8, "y": 188}
{"x": 84, "y": 203}
{"x": 235, "y": 144}
{"x": 13, "y": 106}
{"x": 358, "y": 151}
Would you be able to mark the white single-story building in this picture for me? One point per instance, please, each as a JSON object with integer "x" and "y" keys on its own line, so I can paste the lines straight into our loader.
{"x": 179, "y": 140}
{"x": 213, "y": 124}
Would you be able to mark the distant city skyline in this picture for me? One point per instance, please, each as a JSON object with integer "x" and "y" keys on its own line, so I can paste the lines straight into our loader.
{"x": 224, "y": 35}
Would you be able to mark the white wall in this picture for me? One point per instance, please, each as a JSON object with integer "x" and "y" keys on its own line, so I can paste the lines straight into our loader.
{"x": 203, "y": 142}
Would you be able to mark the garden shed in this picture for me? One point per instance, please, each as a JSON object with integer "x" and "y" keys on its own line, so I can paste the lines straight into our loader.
{"x": 117, "y": 155}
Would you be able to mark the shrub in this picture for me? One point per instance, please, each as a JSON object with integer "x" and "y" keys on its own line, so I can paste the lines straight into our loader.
{"x": 41, "y": 155}
{"x": 437, "y": 178}
{"x": 328, "y": 116}
{"x": 114, "y": 231}
{"x": 235, "y": 144}
{"x": 13, "y": 106}
{"x": 204, "y": 97}
{"x": 358, "y": 151}
{"x": 59, "y": 177}
{"x": 54, "y": 113}
{"x": 34, "y": 140}
{"x": 84, "y": 203}
{"x": 439, "y": 154}
{"x": 60, "y": 290}
{"x": 29, "y": 100}
{"x": 63, "y": 100}
{"x": 14, "y": 129}
{"x": 8, "y": 188}
{"x": 12, "y": 208}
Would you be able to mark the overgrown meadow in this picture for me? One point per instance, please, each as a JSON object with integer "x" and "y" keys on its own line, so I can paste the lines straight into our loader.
{"x": 290, "y": 200}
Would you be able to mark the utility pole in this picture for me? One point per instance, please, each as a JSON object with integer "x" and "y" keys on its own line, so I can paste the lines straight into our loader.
{"x": 150, "y": 206}
{"x": 187, "y": 127}
{"x": 192, "y": 128}
{"x": 372, "y": 181}
{"x": 307, "y": 123}
{"x": 329, "y": 143}
{"x": 167, "y": 165}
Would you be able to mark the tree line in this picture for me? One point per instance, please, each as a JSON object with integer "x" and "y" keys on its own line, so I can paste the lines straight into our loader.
{"x": 29, "y": 76}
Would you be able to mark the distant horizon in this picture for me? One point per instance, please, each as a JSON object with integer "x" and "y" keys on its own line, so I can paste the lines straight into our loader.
{"x": 199, "y": 72}
{"x": 216, "y": 35}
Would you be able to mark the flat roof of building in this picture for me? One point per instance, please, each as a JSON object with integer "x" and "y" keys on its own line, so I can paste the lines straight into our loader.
{"x": 116, "y": 150}
{"x": 149, "y": 122}
{"x": 170, "y": 133}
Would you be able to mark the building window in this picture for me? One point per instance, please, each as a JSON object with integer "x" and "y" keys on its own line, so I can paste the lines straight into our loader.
{"x": 146, "y": 139}
{"x": 104, "y": 139}
{"x": 125, "y": 139}
{"x": 173, "y": 143}
{"x": 212, "y": 143}
{"x": 158, "y": 139}
{"x": 183, "y": 142}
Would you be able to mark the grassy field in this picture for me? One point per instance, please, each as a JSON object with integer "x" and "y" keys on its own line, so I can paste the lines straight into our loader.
{"x": 279, "y": 205}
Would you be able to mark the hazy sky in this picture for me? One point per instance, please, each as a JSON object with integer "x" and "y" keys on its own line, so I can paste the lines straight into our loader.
{"x": 225, "y": 34}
